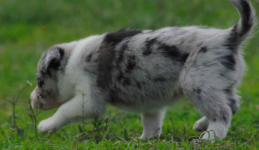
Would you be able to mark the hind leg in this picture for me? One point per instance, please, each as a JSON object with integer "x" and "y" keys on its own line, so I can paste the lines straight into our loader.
{"x": 233, "y": 102}
{"x": 208, "y": 79}
{"x": 215, "y": 100}
{"x": 215, "y": 106}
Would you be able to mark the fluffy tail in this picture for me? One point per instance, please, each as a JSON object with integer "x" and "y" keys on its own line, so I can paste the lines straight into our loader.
{"x": 245, "y": 25}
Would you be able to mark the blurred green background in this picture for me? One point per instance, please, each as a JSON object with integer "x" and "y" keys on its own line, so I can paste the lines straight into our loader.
{"x": 28, "y": 27}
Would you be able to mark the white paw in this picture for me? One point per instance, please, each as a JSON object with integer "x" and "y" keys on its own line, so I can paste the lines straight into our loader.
{"x": 49, "y": 124}
{"x": 148, "y": 135}
{"x": 207, "y": 136}
{"x": 201, "y": 125}
{"x": 143, "y": 138}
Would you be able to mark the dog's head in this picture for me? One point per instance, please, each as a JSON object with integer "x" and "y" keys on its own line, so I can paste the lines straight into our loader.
{"x": 50, "y": 75}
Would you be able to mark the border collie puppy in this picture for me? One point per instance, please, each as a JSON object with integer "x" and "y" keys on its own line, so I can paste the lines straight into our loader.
{"x": 146, "y": 71}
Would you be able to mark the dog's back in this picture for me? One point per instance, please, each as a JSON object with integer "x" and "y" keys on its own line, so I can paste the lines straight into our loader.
{"x": 145, "y": 66}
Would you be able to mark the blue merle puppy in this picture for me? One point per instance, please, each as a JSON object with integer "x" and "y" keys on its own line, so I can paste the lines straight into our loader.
{"x": 146, "y": 71}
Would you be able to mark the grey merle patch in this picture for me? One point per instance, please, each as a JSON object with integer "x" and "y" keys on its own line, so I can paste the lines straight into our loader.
{"x": 148, "y": 49}
{"x": 107, "y": 54}
{"x": 116, "y": 37}
{"x": 203, "y": 50}
{"x": 131, "y": 63}
{"x": 229, "y": 62}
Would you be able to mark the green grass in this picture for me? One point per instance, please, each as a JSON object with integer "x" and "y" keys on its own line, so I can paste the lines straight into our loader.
{"x": 29, "y": 27}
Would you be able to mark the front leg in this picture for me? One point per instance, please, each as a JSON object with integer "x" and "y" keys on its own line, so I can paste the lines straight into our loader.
{"x": 152, "y": 124}
{"x": 73, "y": 111}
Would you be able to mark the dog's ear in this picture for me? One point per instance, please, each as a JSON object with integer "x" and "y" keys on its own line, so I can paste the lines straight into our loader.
{"x": 51, "y": 59}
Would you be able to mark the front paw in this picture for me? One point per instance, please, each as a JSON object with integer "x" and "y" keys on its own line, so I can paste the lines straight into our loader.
{"x": 47, "y": 125}
{"x": 201, "y": 125}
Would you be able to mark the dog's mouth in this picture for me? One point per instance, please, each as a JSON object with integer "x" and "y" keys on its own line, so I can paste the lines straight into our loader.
{"x": 40, "y": 102}
{"x": 36, "y": 103}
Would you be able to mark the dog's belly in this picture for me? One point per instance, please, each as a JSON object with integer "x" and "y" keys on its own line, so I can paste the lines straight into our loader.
{"x": 146, "y": 103}
{"x": 144, "y": 96}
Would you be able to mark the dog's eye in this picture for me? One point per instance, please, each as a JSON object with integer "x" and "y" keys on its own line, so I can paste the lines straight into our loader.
{"x": 40, "y": 82}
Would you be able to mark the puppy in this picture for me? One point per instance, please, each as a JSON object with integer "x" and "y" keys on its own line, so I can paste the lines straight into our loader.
{"x": 146, "y": 71}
